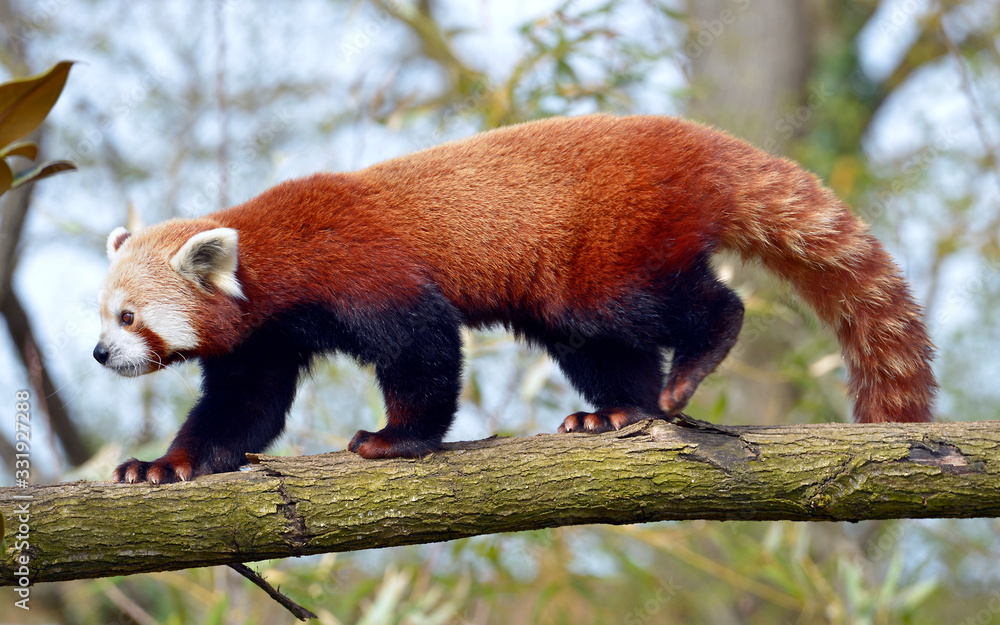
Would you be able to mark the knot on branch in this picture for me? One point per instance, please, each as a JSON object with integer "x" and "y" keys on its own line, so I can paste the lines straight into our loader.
{"x": 946, "y": 457}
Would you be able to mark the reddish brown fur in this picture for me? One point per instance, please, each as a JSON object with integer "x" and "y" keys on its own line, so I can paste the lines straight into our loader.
{"x": 799, "y": 230}
{"x": 524, "y": 220}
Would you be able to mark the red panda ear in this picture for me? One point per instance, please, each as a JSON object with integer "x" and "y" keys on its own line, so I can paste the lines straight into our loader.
{"x": 115, "y": 240}
{"x": 209, "y": 258}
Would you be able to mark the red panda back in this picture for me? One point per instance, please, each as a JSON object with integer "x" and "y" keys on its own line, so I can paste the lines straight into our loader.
{"x": 556, "y": 214}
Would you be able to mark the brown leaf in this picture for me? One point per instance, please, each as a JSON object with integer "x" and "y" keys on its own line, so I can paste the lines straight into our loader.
{"x": 27, "y": 149}
{"x": 6, "y": 177}
{"x": 42, "y": 171}
{"x": 25, "y": 102}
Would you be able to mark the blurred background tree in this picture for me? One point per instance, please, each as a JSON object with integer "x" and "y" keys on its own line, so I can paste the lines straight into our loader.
{"x": 181, "y": 108}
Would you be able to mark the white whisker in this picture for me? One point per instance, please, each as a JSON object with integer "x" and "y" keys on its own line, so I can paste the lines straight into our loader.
{"x": 79, "y": 390}
{"x": 68, "y": 382}
{"x": 159, "y": 361}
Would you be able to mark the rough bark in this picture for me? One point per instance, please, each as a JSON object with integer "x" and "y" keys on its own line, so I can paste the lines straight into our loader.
{"x": 648, "y": 472}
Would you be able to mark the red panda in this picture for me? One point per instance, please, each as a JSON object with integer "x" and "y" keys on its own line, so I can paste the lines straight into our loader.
{"x": 588, "y": 236}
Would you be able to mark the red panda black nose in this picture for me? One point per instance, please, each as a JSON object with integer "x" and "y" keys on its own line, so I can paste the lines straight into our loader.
{"x": 101, "y": 353}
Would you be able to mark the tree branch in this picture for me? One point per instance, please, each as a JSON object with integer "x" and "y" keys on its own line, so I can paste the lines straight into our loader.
{"x": 46, "y": 392}
{"x": 650, "y": 471}
{"x": 15, "y": 210}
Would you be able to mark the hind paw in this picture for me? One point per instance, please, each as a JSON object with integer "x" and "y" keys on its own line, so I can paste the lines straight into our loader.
{"x": 387, "y": 443}
{"x": 603, "y": 420}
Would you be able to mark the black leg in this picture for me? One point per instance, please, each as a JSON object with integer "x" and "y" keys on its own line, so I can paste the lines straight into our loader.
{"x": 418, "y": 363}
{"x": 617, "y": 362}
{"x": 704, "y": 334}
{"x": 245, "y": 397}
{"x": 622, "y": 382}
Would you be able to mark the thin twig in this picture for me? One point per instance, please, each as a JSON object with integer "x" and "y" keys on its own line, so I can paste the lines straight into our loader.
{"x": 132, "y": 609}
{"x": 992, "y": 154}
{"x": 297, "y": 611}
{"x": 220, "y": 98}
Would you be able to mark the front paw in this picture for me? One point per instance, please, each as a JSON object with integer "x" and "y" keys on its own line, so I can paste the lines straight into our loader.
{"x": 388, "y": 444}
{"x": 173, "y": 467}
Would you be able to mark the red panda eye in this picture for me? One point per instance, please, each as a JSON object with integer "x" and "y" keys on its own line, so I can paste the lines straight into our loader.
{"x": 127, "y": 318}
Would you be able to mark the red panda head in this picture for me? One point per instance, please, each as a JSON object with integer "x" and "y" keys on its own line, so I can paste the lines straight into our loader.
{"x": 162, "y": 282}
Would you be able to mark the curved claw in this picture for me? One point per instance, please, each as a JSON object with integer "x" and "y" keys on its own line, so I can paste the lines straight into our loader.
{"x": 604, "y": 420}
{"x": 166, "y": 470}
{"x": 387, "y": 443}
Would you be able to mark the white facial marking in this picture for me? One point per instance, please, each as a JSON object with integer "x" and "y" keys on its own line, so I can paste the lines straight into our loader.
{"x": 170, "y": 326}
{"x": 149, "y": 299}
{"x": 128, "y": 353}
